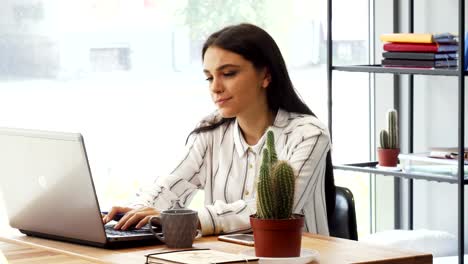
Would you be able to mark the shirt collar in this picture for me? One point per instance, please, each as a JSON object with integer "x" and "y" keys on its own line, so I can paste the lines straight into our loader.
{"x": 281, "y": 121}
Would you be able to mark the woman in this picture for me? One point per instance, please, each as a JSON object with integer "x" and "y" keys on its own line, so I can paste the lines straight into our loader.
{"x": 250, "y": 85}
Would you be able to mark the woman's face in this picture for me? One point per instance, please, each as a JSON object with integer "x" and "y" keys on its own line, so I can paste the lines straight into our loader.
{"x": 236, "y": 87}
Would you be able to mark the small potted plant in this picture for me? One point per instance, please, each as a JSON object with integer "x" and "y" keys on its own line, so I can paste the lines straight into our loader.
{"x": 389, "y": 145}
{"x": 277, "y": 231}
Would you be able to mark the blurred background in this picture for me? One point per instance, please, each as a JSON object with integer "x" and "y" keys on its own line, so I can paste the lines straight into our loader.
{"x": 127, "y": 74}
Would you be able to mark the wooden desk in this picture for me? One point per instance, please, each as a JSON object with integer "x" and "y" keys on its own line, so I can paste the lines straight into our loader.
{"x": 16, "y": 253}
{"x": 332, "y": 251}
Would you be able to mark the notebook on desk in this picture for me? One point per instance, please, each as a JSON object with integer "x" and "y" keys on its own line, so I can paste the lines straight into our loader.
{"x": 49, "y": 192}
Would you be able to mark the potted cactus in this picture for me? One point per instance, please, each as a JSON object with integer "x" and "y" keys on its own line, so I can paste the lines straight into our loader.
{"x": 389, "y": 145}
{"x": 277, "y": 231}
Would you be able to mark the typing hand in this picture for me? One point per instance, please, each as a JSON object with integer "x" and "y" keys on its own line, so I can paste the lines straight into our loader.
{"x": 117, "y": 216}
{"x": 131, "y": 217}
{"x": 116, "y": 213}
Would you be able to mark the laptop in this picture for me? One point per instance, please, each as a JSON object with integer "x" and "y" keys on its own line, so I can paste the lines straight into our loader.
{"x": 49, "y": 192}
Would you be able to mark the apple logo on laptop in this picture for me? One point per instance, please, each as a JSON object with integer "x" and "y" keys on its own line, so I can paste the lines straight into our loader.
{"x": 42, "y": 181}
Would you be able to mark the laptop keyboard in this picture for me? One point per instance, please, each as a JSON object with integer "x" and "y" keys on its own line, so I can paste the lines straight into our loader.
{"x": 129, "y": 232}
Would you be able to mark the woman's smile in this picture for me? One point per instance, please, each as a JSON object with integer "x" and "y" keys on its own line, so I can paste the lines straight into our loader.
{"x": 222, "y": 101}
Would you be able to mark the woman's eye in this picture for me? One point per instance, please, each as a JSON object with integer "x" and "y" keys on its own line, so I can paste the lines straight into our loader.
{"x": 230, "y": 74}
{"x": 210, "y": 79}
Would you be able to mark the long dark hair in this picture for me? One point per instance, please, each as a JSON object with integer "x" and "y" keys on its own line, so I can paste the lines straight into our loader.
{"x": 257, "y": 46}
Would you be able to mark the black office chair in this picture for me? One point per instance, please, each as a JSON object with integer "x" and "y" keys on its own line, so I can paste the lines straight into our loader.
{"x": 343, "y": 221}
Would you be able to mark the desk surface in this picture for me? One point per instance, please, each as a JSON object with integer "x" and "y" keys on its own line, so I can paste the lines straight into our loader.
{"x": 16, "y": 253}
{"x": 332, "y": 251}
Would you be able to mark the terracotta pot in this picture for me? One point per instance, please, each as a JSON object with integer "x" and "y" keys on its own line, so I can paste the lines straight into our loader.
{"x": 277, "y": 238}
{"x": 388, "y": 157}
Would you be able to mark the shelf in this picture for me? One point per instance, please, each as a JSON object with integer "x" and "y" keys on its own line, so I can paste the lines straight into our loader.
{"x": 370, "y": 167}
{"x": 397, "y": 70}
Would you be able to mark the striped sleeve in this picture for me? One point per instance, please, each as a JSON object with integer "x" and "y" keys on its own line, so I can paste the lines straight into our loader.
{"x": 225, "y": 218}
{"x": 308, "y": 159}
{"x": 176, "y": 189}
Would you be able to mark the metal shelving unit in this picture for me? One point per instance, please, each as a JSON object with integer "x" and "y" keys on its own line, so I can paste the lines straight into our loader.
{"x": 460, "y": 73}
{"x": 371, "y": 167}
{"x": 397, "y": 70}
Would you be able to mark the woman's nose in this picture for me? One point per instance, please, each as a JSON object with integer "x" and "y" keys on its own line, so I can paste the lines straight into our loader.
{"x": 216, "y": 86}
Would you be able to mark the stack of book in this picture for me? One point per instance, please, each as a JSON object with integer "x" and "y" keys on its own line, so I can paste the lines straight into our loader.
{"x": 420, "y": 50}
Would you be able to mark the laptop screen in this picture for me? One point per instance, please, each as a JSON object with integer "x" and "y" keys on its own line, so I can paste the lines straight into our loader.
{"x": 47, "y": 185}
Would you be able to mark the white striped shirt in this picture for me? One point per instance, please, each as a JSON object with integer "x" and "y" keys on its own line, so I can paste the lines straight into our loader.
{"x": 225, "y": 166}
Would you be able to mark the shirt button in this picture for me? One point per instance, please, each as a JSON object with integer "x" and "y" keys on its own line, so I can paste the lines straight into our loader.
{"x": 246, "y": 192}
{"x": 250, "y": 166}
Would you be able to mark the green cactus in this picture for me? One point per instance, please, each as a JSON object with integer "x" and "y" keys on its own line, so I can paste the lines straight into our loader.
{"x": 389, "y": 137}
{"x": 265, "y": 205}
{"x": 384, "y": 139}
{"x": 271, "y": 147}
{"x": 284, "y": 189}
{"x": 392, "y": 120}
{"x": 275, "y": 187}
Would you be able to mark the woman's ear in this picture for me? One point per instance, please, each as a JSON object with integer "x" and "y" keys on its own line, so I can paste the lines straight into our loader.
{"x": 266, "y": 79}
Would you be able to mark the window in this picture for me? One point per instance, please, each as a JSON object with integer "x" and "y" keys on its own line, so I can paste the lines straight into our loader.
{"x": 127, "y": 74}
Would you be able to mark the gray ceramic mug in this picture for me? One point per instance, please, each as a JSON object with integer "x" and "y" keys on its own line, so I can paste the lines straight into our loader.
{"x": 179, "y": 227}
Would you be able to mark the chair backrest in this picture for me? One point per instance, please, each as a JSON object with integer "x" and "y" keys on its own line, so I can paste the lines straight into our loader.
{"x": 343, "y": 221}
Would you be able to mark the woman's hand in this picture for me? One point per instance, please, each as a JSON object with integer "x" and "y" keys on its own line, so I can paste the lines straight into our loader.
{"x": 115, "y": 212}
{"x": 133, "y": 217}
